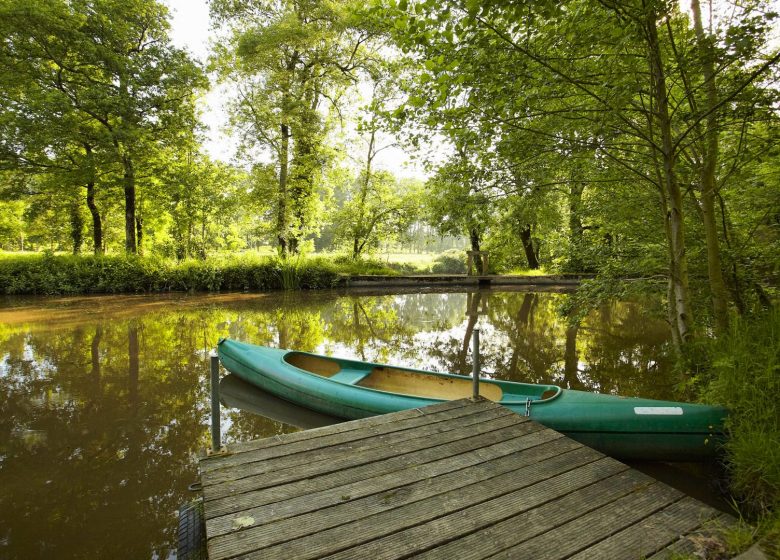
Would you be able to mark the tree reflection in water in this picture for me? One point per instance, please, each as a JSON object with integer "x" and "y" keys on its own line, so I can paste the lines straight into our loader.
{"x": 104, "y": 400}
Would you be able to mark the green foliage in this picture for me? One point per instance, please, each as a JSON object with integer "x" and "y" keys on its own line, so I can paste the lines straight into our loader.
{"x": 365, "y": 266}
{"x": 743, "y": 374}
{"x": 96, "y": 93}
{"x": 450, "y": 262}
{"x": 59, "y": 274}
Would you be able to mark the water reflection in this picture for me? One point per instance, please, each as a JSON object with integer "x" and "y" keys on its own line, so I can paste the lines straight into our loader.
{"x": 104, "y": 400}
{"x": 240, "y": 395}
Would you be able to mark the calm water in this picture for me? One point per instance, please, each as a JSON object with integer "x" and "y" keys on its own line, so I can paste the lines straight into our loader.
{"x": 104, "y": 400}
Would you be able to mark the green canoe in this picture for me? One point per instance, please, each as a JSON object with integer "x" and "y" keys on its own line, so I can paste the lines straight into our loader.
{"x": 628, "y": 428}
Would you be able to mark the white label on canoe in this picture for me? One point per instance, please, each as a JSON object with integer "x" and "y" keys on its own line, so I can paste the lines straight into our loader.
{"x": 659, "y": 410}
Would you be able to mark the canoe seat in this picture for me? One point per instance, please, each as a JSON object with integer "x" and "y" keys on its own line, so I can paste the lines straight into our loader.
{"x": 350, "y": 376}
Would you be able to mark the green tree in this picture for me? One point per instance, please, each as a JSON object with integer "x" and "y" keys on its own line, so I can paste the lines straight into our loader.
{"x": 288, "y": 62}
{"x": 112, "y": 76}
{"x": 617, "y": 87}
{"x": 458, "y": 201}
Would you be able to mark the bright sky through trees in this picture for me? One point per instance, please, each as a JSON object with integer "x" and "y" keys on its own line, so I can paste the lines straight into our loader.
{"x": 191, "y": 29}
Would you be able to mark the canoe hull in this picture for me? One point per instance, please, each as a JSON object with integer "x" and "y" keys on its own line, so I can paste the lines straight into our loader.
{"x": 626, "y": 428}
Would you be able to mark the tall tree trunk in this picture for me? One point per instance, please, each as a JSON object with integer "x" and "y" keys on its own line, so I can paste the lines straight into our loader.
{"x": 97, "y": 224}
{"x": 708, "y": 187}
{"x": 528, "y": 246}
{"x": 474, "y": 238}
{"x": 358, "y": 229}
{"x": 575, "y": 226}
{"x": 128, "y": 183}
{"x": 76, "y": 226}
{"x": 678, "y": 264}
{"x": 303, "y": 166}
{"x": 139, "y": 232}
{"x": 282, "y": 225}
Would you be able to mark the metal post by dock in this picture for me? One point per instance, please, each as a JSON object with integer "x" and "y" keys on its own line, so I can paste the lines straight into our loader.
{"x": 475, "y": 368}
{"x": 216, "y": 434}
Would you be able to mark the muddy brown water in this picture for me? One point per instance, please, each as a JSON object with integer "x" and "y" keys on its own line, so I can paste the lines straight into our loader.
{"x": 104, "y": 401}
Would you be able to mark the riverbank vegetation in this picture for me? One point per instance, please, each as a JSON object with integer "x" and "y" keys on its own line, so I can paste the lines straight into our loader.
{"x": 627, "y": 139}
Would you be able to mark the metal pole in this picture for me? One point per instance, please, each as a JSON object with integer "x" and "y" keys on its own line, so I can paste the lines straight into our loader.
{"x": 475, "y": 369}
{"x": 216, "y": 434}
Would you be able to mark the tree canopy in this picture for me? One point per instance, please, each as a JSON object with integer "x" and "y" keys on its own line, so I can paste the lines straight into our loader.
{"x": 627, "y": 139}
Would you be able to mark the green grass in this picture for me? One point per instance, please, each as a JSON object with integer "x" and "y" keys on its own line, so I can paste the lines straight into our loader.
{"x": 744, "y": 375}
{"x": 50, "y": 274}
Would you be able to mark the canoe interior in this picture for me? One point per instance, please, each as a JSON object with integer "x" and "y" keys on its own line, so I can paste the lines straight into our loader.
{"x": 397, "y": 380}
{"x": 403, "y": 381}
{"x": 313, "y": 364}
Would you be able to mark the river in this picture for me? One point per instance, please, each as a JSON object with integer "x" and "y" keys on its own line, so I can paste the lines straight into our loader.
{"x": 104, "y": 400}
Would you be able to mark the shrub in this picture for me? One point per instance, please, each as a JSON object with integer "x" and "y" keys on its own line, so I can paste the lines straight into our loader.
{"x": 450, "y": 262}
{"x": 363, "y": 266}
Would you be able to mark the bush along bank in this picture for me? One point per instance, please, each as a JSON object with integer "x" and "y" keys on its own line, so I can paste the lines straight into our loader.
{"x": 49, "y": 274}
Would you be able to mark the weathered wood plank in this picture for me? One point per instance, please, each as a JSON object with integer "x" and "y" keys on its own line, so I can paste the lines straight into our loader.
{"x": 339, "y": 433}
{"x": 652, "y": 533}
{"x": 359, "y": 457}
{"x": 348, "y": 425}
{"x": 489, "y": 527}
{"x": 597, "y": 525}
{"x": 447, "y": 473}
{"x": 490, "y": 443}
{"x": 370, "y": 439}
{"x": 363, "y": 528}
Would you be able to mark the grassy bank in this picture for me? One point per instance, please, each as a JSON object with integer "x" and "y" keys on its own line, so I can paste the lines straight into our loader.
{"x": 66, "y": 274}
{"x": 55, "y": 274}
{"x": 743, "y": 374}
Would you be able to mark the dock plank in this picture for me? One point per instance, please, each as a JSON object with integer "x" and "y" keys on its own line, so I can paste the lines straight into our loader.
{"x": 539, "y": 445}
{"x": 462, "y": 479}
{"x": 709, "y": 533}
{"x": 239, "y": 454}
{"x": 487, "y": 432}
{"x": 652, "y": 533}
{"x": 445, "y": 423}
{"x": 490, "y": 442}
{"x": 595, "y": 526}
{"x": 424, "y": 493}
{"x": 475, "y": 532}
{"x": 362, "y": 528}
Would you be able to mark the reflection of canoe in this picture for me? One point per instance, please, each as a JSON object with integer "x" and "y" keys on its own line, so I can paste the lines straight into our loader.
{"x": 622, "y": 427}
{"x": 237, "y": 393}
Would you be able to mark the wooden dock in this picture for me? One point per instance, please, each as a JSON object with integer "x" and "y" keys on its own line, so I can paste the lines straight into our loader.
{"x": 460, "y": 480}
